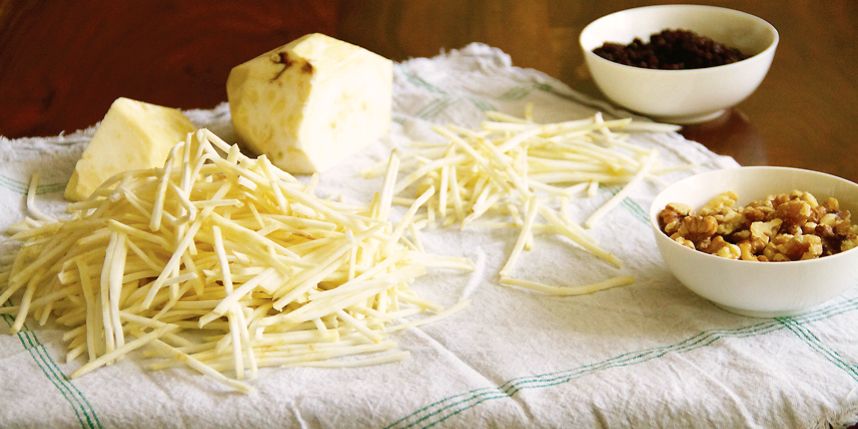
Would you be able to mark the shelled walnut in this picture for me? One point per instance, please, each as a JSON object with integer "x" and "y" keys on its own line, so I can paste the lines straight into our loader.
{"x": 785, "y": 227}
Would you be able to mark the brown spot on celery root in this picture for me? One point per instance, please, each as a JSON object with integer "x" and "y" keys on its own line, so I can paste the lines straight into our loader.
{"x": 281, "y": 58}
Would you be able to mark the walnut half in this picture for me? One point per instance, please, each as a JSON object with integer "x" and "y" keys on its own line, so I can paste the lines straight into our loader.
{"x": 698, "y": 228}
{"x": 670, "y": 217}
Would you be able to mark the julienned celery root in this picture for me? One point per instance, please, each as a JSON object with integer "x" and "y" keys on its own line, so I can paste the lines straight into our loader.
{"x": 222, "y": 263}
{"x": 513, "y": 168}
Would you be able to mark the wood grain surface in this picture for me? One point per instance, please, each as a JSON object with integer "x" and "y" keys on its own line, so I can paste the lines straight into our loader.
{"x": 63, "y": 63}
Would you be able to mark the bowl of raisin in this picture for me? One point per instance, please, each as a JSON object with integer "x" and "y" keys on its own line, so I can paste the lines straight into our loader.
{"x": 678, "y": 63}
{"x": 760, "y": 241}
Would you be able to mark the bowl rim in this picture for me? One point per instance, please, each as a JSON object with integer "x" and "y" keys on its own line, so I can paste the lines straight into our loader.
{"x": 588, "y": 53}
{"x": 653, "y": 218}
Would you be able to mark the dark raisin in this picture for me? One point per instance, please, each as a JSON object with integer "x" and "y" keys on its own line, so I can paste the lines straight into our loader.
{"x": 671, "y": 50}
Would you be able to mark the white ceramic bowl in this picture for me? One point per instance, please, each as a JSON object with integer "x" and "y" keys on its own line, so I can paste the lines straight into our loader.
{"x": 681, "y": 96}
{"x": 759, "y": 289}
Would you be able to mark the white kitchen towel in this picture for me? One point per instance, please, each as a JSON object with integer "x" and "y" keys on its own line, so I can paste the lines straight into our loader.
{"x": 652, "y": 354}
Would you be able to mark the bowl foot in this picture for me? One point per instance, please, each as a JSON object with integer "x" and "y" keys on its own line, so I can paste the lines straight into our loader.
{"x": 690, "y": 119}
{"x": 762, "y": 314}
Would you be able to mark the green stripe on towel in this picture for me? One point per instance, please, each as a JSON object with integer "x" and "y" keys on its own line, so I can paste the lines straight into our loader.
{"x": 631, "y": 205}
{"x": 20, "y": 187}
{"x": 516, "y": 93}
{"x": 13, "y": 185}
{"x": 806, "y": 335}
{"x": 82, "y": 408}
{"x": 435, "y": 107}
{"x": 446, "y": 408}
{"x": 481, "y": 104}
{"x": 418, "y": 81}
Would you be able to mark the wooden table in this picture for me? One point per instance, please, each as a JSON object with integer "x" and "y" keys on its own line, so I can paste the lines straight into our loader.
{"x": 62, "y": 64}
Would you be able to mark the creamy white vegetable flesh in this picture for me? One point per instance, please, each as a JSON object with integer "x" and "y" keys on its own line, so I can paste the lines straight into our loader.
{"x": 312, "y": 103}
{"x": 133, "y": 135}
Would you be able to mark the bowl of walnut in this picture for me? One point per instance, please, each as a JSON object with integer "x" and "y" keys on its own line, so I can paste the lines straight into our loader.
{"x": 678, "y": 63}
{"x": 760, "y": 241}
